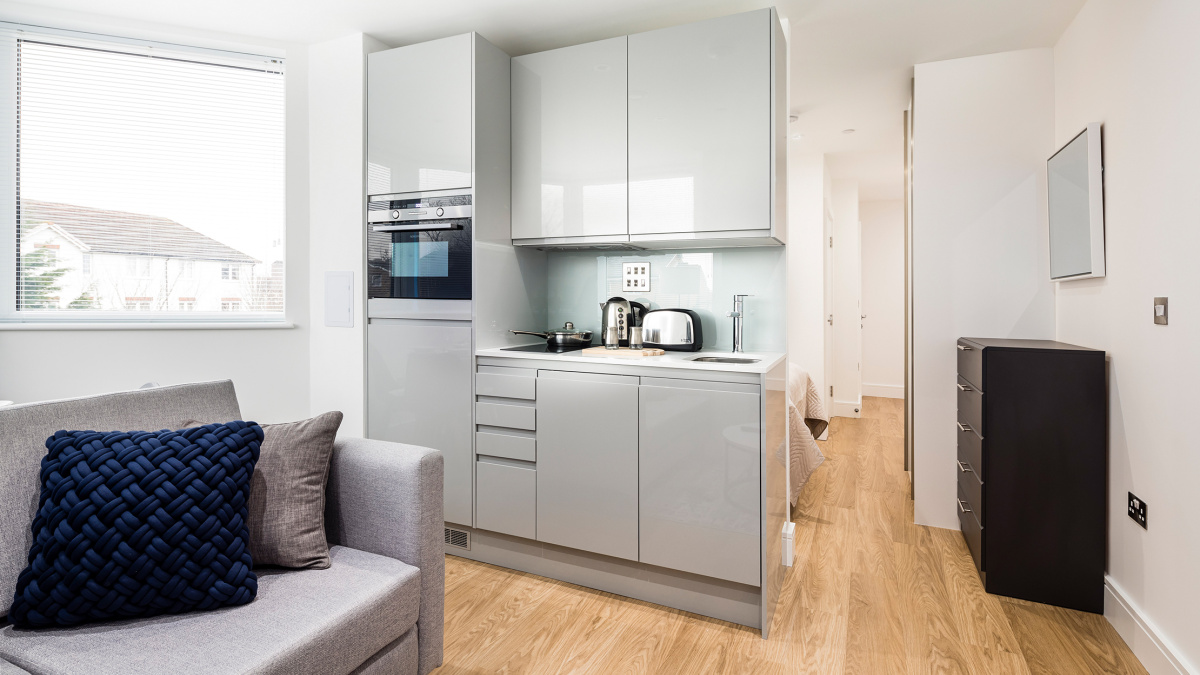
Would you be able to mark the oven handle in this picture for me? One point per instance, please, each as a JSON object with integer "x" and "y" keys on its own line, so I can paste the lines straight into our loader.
{"x": 416, "y": 227}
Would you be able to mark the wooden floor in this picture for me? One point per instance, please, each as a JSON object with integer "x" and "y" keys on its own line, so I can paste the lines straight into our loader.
{"x": 869, "y": 593}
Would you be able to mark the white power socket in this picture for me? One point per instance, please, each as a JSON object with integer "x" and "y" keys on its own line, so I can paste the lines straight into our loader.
{"x": 635, "y": 277}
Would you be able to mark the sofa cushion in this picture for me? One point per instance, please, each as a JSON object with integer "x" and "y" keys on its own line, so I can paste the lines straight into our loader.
{"x": 304, "y": 621}
{"x": 140, "y": 524}
{"x": 24, "y": 429}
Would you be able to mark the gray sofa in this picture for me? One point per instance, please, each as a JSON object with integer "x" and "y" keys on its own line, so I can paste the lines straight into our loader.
{"x": 378, "y": 609}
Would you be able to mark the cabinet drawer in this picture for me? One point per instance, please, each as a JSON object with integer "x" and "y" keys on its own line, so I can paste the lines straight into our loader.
{"x": 506, "y": 499}
{"x": 970, "y": 407}
{"x": 972, "y": 532}
{"x": 970, "y": 451}
{"x": 971, "y": 491}
{"x": 506, "y": 386}
{"x": 504, "y": 445}
{"x": 511, "y": 416}
{"x": 970, "y": 363}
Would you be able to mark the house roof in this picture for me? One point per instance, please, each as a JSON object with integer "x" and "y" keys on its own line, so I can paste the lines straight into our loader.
{"x": 104, "y": 231}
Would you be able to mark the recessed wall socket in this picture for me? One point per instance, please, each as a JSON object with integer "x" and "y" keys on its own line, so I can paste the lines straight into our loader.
{"x": 1137, "y": 510}
{"x": 1160, "y": 311}
{"x": 635, "y": 277}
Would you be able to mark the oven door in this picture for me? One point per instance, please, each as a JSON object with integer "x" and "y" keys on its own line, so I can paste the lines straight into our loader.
{"x": 425, "y": 257}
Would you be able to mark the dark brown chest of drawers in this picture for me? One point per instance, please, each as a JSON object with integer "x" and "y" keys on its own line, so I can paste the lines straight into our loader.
{"x": 1032, "y": 468}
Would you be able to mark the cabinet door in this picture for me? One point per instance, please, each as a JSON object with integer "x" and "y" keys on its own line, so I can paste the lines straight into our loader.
{"x": 587, "y": 462}
{"x": 419, "y": 117}
{"x": 419, "y": 392}
{"x": 700, "y": 126}
{"x": 699, "y": 479}
{"x": 569, "y": 133}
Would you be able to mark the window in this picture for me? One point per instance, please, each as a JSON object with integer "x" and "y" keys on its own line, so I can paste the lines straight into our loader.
{"x": 154, "y": 171}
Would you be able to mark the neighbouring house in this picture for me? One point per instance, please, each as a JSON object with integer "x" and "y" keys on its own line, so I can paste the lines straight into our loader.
{"x": 119, "y": 261}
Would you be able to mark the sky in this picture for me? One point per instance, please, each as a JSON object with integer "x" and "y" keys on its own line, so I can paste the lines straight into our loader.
{"x": 198, "y": 143}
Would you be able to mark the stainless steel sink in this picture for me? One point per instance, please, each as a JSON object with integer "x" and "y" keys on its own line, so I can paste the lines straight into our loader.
{"x": 724, "y": 359}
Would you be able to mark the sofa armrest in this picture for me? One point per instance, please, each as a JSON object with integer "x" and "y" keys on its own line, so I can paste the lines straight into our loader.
{"x": 386, "y": 498}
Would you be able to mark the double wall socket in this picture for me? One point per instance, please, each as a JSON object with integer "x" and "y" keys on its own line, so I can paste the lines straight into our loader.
{"x": 635, "y": 277}
{"x": 1137, "y": 510}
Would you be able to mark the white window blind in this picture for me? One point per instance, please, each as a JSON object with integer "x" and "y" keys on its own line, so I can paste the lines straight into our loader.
{"x": 140, "y": 174}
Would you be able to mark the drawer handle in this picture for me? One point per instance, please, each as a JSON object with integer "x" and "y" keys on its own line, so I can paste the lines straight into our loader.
{"x": 964, "y": 467}
{"x": 963, "y": 387}
{"x": 964, "y": 348}
{"x": 963, "y": 427}
{"x": 963, "y": 506}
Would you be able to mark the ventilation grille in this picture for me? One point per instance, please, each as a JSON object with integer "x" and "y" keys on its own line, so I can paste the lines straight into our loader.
{"x": 458, "y": 539}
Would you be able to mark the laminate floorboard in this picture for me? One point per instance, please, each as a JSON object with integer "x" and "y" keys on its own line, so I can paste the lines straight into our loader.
{"x": 870, "y": 592}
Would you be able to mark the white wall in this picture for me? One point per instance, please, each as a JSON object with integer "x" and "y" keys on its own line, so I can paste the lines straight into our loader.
{"x": 1135, "y": 67}
{"x": 268, "y": 366}
{"x": 847, "y": 290}
{"x": 806, "y": 265}
{"x": 983, "y": 131}
{"x": 337, "y": 127}
{"x": 883, "y": 297}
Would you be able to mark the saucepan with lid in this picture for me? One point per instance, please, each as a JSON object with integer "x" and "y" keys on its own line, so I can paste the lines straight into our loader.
{"x": 562, "y": 338}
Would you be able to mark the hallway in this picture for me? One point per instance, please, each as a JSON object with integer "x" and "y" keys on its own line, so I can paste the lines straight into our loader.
{"x": 869, "y": 593}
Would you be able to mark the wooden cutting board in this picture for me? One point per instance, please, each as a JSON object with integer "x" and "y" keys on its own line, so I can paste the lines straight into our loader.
{"x": 623, "y": 353}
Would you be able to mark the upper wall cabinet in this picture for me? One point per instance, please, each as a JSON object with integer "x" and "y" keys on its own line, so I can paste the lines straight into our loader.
{"x": 705, "y": 115}
{"x": 569, "y": 131}
{"x": 419, "y": 117}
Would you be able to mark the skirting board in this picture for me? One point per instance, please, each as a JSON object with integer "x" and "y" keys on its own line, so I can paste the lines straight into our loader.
{"x": 883, "y": 390}
{"x": 1157, "y": 654}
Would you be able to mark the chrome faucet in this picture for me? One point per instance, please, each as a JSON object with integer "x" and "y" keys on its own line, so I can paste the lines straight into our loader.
{"x": 737, "y": 315}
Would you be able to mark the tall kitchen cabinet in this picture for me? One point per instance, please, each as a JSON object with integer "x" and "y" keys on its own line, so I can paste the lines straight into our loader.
{"x": 569, "y": 158}
{"x": 670, "y": 138}
{"x": 419, "y": 107}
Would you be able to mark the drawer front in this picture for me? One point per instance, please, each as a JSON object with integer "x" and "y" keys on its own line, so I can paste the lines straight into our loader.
{"x": 970, "y": 451}
{"x": 970, "y": 406}
{"x": 970, "y": 490}
{"x": 504, "y": 445}
{"x": 972, "y": 532}
{"x": 506, "y": 386}
{"x": 511, "y": 416}
{"x": 970, "y": 363}
{"x": 506, "y": 499}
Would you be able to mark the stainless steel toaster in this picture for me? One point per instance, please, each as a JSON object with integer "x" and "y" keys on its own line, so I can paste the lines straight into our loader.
{"x": 672, "y": 329}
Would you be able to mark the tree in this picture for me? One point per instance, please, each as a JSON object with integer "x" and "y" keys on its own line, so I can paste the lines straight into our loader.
{"x": 40, "y": 277}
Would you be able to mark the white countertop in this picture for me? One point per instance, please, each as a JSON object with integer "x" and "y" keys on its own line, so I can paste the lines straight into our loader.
{"x": 767, "y": 360}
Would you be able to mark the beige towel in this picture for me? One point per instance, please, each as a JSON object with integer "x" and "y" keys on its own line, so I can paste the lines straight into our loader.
{"x": 806, "y": 421}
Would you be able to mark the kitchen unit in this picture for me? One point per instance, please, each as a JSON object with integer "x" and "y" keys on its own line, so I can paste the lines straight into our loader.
{"x": 686, "y": 126}
{"x": 659, "y": 478}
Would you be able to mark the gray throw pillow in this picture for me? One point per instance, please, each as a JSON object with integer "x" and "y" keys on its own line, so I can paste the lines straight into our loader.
{"x": 287, "y": 493}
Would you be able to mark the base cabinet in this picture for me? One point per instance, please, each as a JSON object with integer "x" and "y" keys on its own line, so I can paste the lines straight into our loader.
{"x": 505, "y": 494}
{"x": 699, "y": 479}
{"x": 587, "y": 462}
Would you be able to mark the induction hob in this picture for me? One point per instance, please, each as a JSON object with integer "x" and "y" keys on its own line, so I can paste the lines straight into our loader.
{"x": 541, "y": 347}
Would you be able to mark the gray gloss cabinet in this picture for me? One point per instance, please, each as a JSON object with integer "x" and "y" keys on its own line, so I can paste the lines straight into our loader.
{"x": 569, "y": 128}
{"x": 506, "y": 495}
{"x": 587, "y": 462}
{"x": 419, "y": 116}
{"x": 699, "y": 479}
{"x": 419, "y": 392}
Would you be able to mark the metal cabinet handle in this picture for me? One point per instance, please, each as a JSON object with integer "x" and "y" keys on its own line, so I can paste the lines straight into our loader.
{"x": 964, "y": 348}
{"x": 963, "y": 427}
{"x": 962, "y": 387}
{"x": 963, "y": 506}
{"x": 964, "y": 467}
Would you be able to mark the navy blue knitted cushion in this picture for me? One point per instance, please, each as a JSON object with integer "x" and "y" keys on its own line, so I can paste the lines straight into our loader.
{"x": 140, "y": 523}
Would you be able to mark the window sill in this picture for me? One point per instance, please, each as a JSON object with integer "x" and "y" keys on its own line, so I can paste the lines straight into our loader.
{"x": 149, "y": 325}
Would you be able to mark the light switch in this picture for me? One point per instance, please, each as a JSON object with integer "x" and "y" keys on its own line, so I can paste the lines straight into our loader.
{"x": 1160, "y": 311}
{"x": 635, "y": 277}
{"x": 339, "y": 299}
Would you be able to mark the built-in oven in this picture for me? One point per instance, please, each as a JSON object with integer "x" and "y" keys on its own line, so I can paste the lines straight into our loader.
{"x": 419, "y": 247}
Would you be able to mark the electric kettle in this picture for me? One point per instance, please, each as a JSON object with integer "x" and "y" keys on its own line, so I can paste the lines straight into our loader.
{"x": 623, "y": 314}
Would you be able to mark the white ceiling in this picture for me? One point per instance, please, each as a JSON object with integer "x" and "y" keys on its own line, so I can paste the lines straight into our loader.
{"x": 851, "y": 59}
